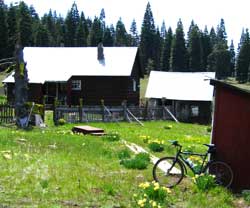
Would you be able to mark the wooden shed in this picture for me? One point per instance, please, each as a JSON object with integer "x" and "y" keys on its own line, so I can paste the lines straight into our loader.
{"x": 188, "y": 95}
{"x": 67, "y": 74}
{"x": 231, "y": 130}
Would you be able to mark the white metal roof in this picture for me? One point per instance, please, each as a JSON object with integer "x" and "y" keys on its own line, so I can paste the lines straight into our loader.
{"x": 180, "y": 86}
{"x": 60, "y": 63}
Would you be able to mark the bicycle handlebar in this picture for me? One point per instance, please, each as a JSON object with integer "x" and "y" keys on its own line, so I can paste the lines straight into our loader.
{"x": 174, "y": 143}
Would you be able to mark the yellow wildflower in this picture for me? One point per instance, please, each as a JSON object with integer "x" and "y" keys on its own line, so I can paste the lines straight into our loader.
{"x": 166, "y": 189}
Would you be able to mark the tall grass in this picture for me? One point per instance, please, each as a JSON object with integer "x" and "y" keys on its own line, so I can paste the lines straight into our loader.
{"x": 52, "y": 167}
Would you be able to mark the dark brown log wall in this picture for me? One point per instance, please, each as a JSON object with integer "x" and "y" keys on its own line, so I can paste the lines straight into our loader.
{"x": 231, "y": 132}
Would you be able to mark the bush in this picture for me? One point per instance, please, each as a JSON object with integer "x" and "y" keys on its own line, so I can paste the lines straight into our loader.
{"x": 152, "y": 195}
{"x": 124, "y": 154}
{"x": 246, "y": 195}
{"x": 204, "y": 182}
{"x": 168, "y": 127}
{"x": 140, "y": 161}
{"x": 61, "y": 121}
{"x": 156, "y": 146}
{"x": 209, "y": 129}
{"x": 113, "y": 136}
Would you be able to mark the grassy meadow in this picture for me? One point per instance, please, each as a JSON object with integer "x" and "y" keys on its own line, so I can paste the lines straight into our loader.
{"x": 52, "y": 167}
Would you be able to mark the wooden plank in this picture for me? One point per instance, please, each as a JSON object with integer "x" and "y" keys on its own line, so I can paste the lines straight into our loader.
{"x": 87, "y": 129}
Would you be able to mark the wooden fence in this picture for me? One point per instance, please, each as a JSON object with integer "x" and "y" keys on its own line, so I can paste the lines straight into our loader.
{"x": 7, "y": 113}
{"x": 110, "y": 113}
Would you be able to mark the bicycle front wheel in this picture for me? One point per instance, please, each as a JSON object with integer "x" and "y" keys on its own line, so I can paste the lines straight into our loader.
{"x": 222, "y": 172}
{"x": 168, "y": 171}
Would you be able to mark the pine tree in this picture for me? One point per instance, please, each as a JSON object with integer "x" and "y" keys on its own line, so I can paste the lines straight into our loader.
{"x": 163, "y": 30}
{"x": 148, "y": 32}
{"x": 243, "y": 60}
{"x": 221, "y": 33}
{"x": 81, "y": 38}
{"x": 108, "y": 39}
{"x": 121, "y": 36}
{"x": 157, "y": 48}
{"x": 206, "y": 46}
{"x": 24, "y": 25}
{"x": 12, "y": 29}
{"x": 102, "y": 19}
{"x": 213, "y": 38}
{"x": 195, "y": 49}
{"x": 72, "y": 21}
{"x": 242, "y": 39}
{"x": 42, "y": 36}
{"x": 49, "y": 23}
{"x": 232, "y": 59}
{"x": 178, "y": 60}
{"x": 4, "y": 31}
{"x": 219, "y": 61}
{"x": 96, "y": 33}
{"x": 165, "y": 58}
{"x": 134, "y": 34}
{"x": 35, "y": 23}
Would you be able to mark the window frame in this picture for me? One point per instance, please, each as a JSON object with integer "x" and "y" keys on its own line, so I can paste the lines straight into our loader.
{"x": 76, "y": 85}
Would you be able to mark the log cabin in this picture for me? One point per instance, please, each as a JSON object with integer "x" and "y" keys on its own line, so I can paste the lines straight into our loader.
{"x": 67, "y": 74}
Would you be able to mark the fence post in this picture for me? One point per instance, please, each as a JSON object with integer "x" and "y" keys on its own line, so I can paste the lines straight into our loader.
{"x": 103, "y": 110}
{"x": 80, "y": 109}
{"x": 124, "y": 105}
{"x": 163, "y": 110}
{"x": 146, "y": 111}
{"x": 44, "y": 104}
{"x": 55, "y": 119}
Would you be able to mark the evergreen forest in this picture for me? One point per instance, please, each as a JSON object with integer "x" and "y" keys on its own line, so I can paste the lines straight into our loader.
{"x": 161, "y": 48}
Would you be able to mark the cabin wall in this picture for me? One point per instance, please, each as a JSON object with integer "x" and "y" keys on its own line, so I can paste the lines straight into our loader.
{"x": 231, "y": 132}
{"x": 35, "y": 93}
{"x": 113, "y": 90}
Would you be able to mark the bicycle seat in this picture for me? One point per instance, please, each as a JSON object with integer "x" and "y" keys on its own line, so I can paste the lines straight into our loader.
{"x": 209, "y": 145}
{"x": 211, "y": 148}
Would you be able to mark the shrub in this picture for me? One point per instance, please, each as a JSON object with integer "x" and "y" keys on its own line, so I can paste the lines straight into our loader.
{"x": 152, "y": 195}
{"x": 246, "y": 195}
{"x": 209, "y": 129}
{"x": 204, "y": 182}
{"x": 61, "y": 121}
{"x": 140, "y": 161}
{"x": 112, "y": 136}
{"x": 145, "y": 138}
{"x": 124, "y": 154}
{"x": 156, "y": 146}
{"x": 168, "y": 127}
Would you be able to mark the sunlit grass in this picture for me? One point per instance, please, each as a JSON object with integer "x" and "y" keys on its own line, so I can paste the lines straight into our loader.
{"x": 52, "y": 167}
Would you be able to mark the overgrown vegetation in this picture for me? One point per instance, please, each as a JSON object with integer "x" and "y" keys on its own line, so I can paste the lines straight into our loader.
{"x": 52, "y": 167}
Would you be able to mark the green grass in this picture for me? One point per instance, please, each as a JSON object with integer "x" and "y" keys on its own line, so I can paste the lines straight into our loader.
{"x": 53, "y": 168}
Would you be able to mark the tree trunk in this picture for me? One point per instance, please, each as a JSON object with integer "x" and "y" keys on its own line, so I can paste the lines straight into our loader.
{"x": 21, "y": 89}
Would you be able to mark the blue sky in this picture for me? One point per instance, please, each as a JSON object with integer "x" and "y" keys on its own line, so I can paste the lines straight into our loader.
{"x": 203, "y": 12}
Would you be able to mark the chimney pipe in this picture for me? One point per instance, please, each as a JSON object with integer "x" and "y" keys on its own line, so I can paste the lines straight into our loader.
{"x": 100, "y": 54}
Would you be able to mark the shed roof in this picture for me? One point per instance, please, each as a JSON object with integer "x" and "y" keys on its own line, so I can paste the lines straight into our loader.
{"x": 180, "y": 86}
{"x": 243, "y": 88}
{"x": 58, "y": 64}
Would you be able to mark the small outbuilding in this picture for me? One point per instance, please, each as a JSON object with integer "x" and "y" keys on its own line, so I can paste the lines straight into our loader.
{"x": 231, "y": 130}
{"x": 67, "y": 74}
{"x": 187, "y": 95}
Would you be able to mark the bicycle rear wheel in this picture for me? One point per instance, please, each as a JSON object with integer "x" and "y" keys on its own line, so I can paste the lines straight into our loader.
{"x": 222, "y": 172}
{"x": 168, "y": 171}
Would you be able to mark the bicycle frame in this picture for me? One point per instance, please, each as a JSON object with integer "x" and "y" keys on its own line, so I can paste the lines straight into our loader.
{"x": 180, "y": 155}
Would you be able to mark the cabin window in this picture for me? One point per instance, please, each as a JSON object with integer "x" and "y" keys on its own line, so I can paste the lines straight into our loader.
{"x": 194, "y": 111}
{"x": 134, "y": 85}
{"x": 76, "y": 85}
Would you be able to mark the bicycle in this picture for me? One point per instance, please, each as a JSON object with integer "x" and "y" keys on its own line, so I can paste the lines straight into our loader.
{"x": 169, "y": 171}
